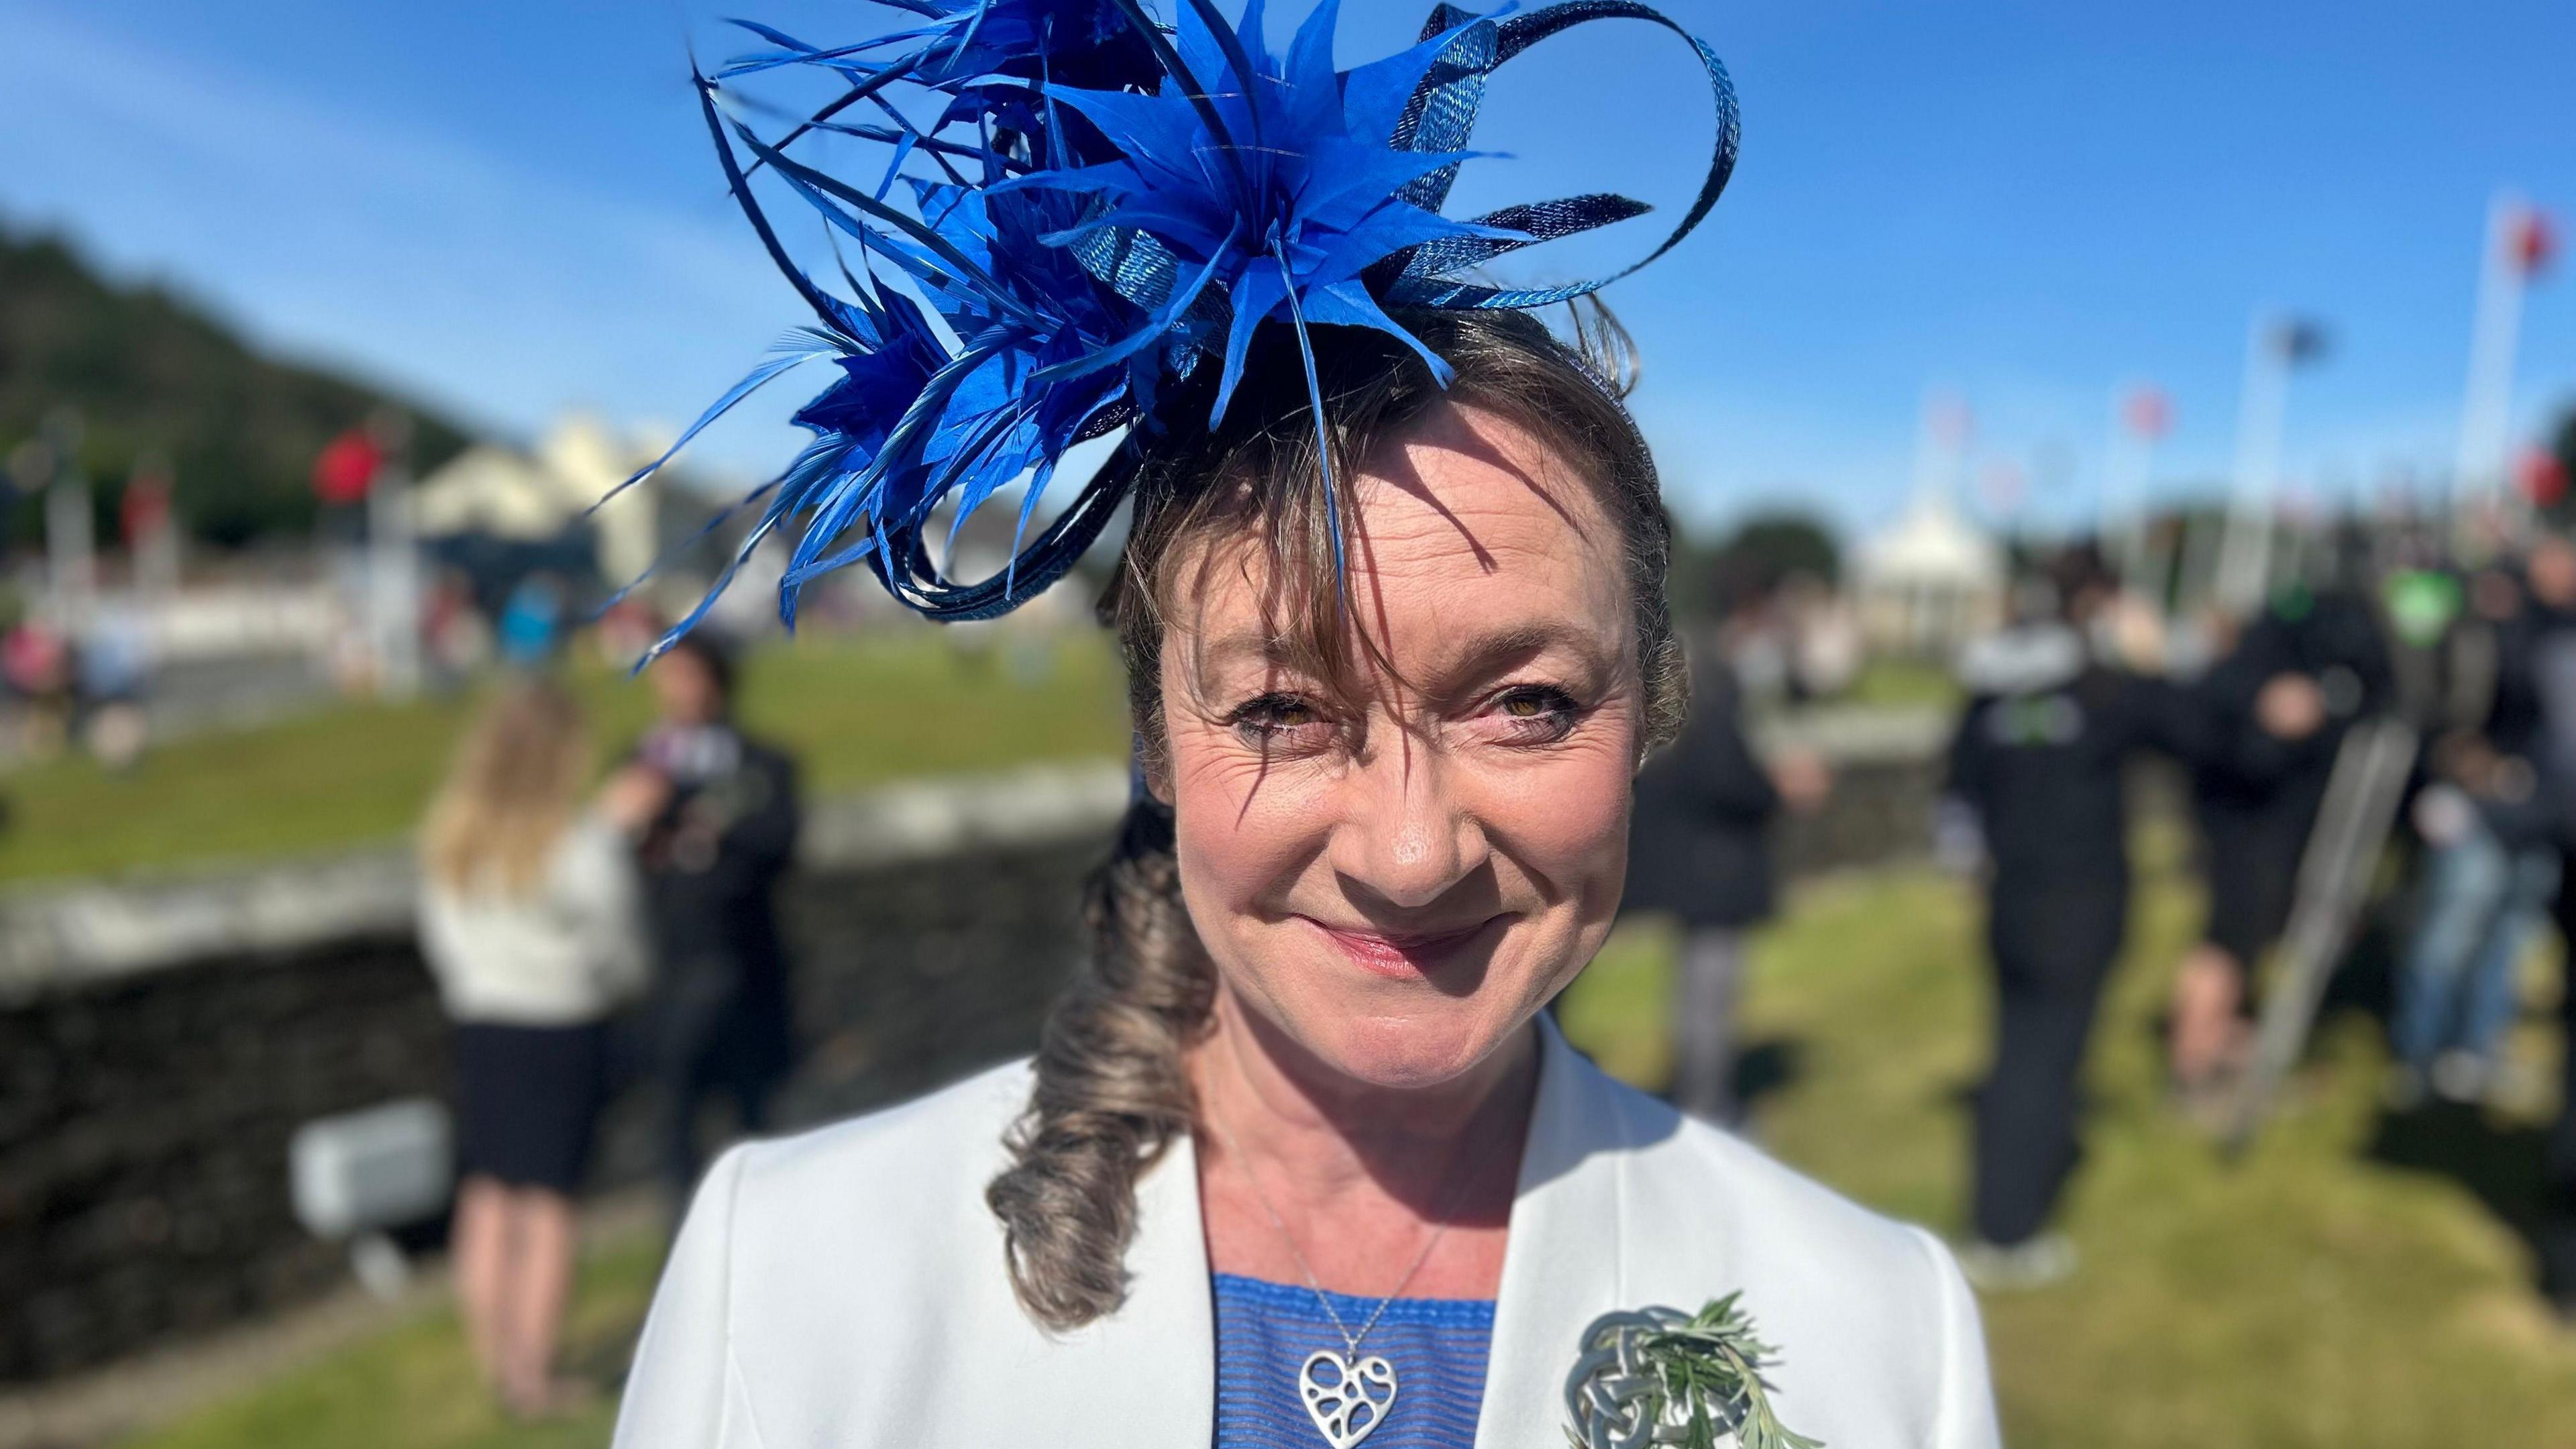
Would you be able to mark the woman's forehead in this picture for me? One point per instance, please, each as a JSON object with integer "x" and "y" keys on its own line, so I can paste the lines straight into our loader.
{"x": 1467, "y": 535}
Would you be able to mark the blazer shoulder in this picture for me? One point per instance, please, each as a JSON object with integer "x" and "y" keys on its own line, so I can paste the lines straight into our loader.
{"x": 808, "y": 1262}
{"x": 1881, "y": 1334}
{"x": 889, "y": 1156}
{"x": 1686, "y": 1173}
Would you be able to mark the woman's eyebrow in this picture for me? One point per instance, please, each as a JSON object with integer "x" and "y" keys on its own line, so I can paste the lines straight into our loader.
{"x": 1483, "y": 654}
{"x": 1257, "y": 645}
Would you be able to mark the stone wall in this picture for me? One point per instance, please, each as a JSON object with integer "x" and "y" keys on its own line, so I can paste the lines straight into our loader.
{"x": 143, "y": 1144}
{"x": 159, "y": 1042}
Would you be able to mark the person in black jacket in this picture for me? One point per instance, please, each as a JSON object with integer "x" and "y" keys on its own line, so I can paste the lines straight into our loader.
{"x": 2040, "y": 764}
{"x": 712, "y": 856}
{"x": 2257, "y": 805}
{"x": 1699, "y": 852}
{"x": 2544, "y": 669}
{"x": 2489, "y": 861}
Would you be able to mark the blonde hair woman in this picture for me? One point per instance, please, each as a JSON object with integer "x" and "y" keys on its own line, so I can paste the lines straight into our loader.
{"x": 529, "y": 919}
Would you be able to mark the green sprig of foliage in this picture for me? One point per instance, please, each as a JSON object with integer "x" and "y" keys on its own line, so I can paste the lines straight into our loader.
{"x": 1710, "y": 1366}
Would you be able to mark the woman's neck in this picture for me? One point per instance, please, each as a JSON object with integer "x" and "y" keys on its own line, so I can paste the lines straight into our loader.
{"x": 1361, "y": 1176}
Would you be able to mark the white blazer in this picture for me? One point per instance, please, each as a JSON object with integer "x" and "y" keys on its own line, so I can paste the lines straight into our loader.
{"x": 846, "y": 1288}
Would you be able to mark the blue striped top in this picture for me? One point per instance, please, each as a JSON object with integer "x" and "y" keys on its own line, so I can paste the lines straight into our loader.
{"x": 1264, "y": 1331}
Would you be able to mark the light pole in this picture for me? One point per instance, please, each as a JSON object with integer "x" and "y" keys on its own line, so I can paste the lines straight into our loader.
{"x": 393, "y": 571}
{"x": 152, "y": 528}
{"x": 2140, "y": 418}
{"x": 2519, "y": 244}
{"x": 71, "y": 542}
{"x": 2273, "y": 347}
{"x": 1941, "y": 447}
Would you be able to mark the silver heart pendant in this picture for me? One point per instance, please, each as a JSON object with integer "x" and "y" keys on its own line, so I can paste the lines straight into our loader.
{"x": 1342, "y": 1395}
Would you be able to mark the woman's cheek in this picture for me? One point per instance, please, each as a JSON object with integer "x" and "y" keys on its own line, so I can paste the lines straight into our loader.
{"x": 1569, "y": 817}
{"x": 1240, "y": 818}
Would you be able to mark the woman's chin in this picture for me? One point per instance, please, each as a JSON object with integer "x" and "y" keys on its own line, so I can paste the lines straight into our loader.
{"x": 1408, "y": 1053}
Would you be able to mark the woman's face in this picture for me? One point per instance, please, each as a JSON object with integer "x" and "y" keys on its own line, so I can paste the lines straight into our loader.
{"x": 1398, "y": 874}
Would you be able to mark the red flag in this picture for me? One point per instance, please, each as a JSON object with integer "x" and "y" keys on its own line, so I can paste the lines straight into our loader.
{"x": 145, "y": 509}
{"x": 2531, "y": 242}
{"x": 2543, "y": 478}
{"x": 2148, "y": 413}
{"x": 347, "y": 468}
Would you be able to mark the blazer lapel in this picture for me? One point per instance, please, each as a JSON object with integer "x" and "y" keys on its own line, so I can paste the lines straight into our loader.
{"x": 1142, "y": 1378}
{"x": 1564, "y": 1264}
{"x": 1164, "y": 1339}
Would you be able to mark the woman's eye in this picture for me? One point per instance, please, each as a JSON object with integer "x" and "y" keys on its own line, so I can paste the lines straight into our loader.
{"x": 1535, "y": 714}
{"x": 1278, "y": 719}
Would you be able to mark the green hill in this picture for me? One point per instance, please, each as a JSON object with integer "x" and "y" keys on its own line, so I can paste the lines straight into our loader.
{"x": 152, "y": 373}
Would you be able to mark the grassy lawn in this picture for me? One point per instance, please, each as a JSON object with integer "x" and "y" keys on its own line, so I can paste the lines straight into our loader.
{"x": 854, "y": 710}
{"x": 2321, "y": 1294}
{"x": 2316, "y": 1295}
{"x": 1889, "y": 682}
{"x": 415, "y": 1388}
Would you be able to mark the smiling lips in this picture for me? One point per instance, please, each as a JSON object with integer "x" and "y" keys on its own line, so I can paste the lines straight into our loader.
{"x": 1400, "y": 957}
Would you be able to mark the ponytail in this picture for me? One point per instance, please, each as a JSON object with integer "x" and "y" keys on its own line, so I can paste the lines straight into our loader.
{"x": 1112, "y": 1088}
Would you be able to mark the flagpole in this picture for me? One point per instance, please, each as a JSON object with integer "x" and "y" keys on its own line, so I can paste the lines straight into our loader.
{"x": 393, "y": 576}
{"x": 2139, "y": 417}
{"x": 2245, "y": 548}
{"x": 1940, "y": 447}
{"x": 2116, "y": 509}
{"x": 2478, "y": 493}
{"x": 71, "y": 544}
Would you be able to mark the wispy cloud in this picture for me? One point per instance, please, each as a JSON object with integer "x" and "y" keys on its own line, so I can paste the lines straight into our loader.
{"x": 496, "y": 291}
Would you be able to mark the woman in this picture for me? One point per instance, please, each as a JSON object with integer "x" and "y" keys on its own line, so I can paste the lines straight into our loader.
{"x": 1700, "y": 856}
{"x": 1299, "y": 1160}
{"x": 1307, "y": 1044}
{"x": 530, "y": 920}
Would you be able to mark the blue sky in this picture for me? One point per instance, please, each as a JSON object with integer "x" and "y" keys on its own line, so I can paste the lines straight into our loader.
{"x": 511, "y": 209}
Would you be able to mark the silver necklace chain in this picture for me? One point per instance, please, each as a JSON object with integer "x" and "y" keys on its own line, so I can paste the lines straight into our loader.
{"x": 1350, "y": 1340}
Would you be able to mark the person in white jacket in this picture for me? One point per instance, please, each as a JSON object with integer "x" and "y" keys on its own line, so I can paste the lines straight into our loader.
{"x": 530, "y": 920}
{"x": 1299, "y": 1159}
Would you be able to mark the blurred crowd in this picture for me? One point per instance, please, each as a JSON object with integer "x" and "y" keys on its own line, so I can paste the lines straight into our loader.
{"x": 2456, "y": 669}
{"x": 89, "y": 687}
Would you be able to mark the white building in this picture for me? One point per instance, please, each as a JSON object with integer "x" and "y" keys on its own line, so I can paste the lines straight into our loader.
{"x": 1929, "y": 582}
{"x": 538, "y": 496}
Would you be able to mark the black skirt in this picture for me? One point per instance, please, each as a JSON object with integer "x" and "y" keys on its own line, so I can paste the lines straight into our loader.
{"x": 528, "y": 1101}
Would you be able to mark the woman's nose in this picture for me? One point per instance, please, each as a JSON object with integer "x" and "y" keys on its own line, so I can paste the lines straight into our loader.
{"x": 1408, "y": 838}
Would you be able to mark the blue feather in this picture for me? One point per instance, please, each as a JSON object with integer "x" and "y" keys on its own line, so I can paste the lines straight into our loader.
{"x": 1116, "y": 207}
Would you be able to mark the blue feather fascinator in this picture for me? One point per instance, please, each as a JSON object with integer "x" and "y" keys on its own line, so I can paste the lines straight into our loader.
{"x": 1080, "y": 209}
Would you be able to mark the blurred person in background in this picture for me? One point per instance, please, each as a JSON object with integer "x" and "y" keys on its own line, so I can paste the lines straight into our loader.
{"x": 2256, "y": 804}
{"x": 530, "y": 920}
{"x": 2491, "y": 861}
{"x": 456, "y": 639}
{"x": 1700, "y": 854}
{"x": 1827, "y": 645}
{"x": 113, "y": 673}
{"x": 2547, "y": 665}
{"x": 720, "y": 833}
{"x": 532, "y": 620}
{"x": 36, "y": 657}
{"x": 2039, "y": 768}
